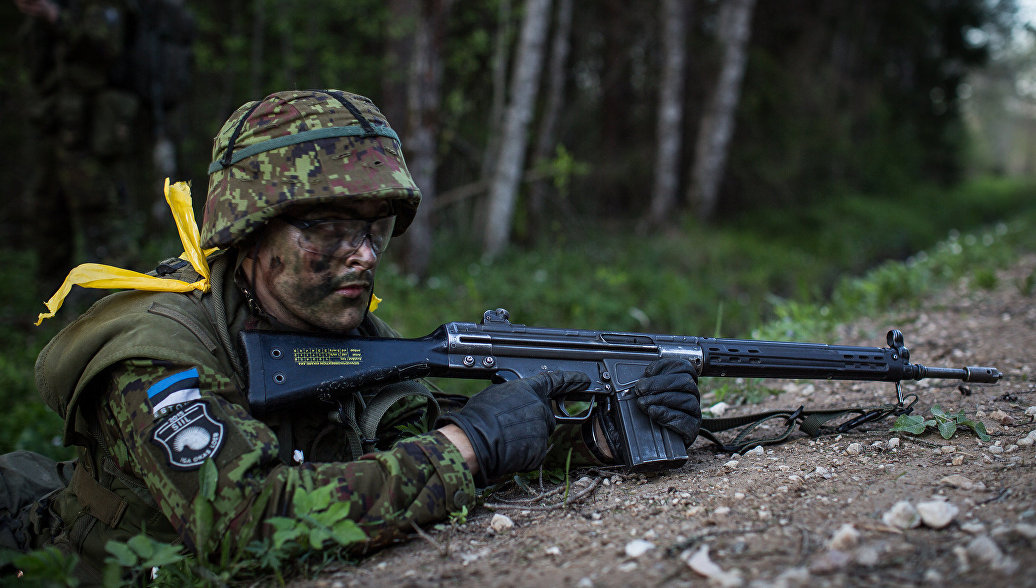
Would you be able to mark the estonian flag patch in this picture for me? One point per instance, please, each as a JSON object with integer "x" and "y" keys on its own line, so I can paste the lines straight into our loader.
{"x": 176, "y": 389}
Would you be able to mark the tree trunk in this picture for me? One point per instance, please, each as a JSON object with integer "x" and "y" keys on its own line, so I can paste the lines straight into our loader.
{"x": 546, "y": 136}
{"x": 423, "y": 103}
{"x": 499, "y": 97}
{"x": 670, "y": 112}
{"x": 717, "y": 126}
{"x": 503, "y": 189}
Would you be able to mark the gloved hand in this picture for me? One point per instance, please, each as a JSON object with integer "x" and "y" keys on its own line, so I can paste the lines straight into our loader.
{"x": 668, "y": 394}
{"x": 508, "y": 424}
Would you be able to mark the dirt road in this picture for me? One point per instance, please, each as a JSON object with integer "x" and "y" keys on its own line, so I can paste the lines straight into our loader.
{"x": 805, "y": 513}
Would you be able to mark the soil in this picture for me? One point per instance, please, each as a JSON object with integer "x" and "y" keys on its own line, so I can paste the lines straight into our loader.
{"x": 808, "y": 512}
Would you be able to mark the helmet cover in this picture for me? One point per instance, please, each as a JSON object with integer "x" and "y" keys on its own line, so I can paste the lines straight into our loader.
{"x": 302, "y": 146}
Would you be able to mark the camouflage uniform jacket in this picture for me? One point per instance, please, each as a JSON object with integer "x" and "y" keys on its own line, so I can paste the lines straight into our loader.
{"x": 150, "y": 390}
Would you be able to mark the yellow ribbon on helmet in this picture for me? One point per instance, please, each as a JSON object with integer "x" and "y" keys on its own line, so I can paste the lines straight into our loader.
{"x": 96, "y": 275}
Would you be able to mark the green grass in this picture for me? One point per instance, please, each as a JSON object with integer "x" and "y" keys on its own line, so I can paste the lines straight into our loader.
{"x": 788, "y": 275}
{"x": 727, "y": 279}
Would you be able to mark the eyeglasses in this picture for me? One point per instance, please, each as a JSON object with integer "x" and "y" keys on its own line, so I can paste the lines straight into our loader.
{"x": 341, "y": 238}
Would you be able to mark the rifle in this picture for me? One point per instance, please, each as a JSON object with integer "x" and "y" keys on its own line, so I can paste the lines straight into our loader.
{"x": 288, "y": 368}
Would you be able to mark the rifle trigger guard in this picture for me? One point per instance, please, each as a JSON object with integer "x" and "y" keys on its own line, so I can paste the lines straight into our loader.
{"x": 564, "y": 417}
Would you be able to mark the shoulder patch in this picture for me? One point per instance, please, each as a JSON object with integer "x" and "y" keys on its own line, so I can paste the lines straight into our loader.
{"x": 189, "y": 436}
{"x": 176, "y": 389}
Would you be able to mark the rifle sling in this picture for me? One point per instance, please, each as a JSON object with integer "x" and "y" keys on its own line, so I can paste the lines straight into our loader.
{"x": 360, "y": 418}
{"x": 812, "y": 422}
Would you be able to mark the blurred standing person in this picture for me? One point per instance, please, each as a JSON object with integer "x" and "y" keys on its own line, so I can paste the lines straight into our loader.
{"x": 106, "y": 76}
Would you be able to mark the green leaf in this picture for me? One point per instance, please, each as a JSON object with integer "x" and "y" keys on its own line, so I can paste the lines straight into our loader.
{"x": 47, "y": 567}
{"x": 208, "y": 479}
{"x": 124, "y": 555}
{"x": 143, "y": 545}
{"x": 322, "y": 497}
{"x": 165, "y": 554}
{"x": 947, "y": 429}
{"x": 317, "y": 537}
{"x": 284, "y": 536}
{"x": 938, "y": 411}
{"x": 348, "y": 532}
{"x": 338, "y": 511}
{"x": 978, "y": 427}
{"x": 909, "y": 423}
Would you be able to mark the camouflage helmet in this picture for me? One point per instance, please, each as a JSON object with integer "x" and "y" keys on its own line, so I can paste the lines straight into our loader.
{"x": 309, "y": 146}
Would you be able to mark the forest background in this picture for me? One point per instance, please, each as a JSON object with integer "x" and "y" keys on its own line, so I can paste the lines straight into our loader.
{"x": 700, "y": 167}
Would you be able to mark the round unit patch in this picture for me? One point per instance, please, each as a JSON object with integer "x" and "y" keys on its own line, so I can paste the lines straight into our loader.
{"x": 189, "y": 436}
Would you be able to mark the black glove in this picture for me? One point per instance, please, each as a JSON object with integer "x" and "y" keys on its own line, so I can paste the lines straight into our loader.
{"x": 508, "y": 424}
{"x": 668, "y": 394}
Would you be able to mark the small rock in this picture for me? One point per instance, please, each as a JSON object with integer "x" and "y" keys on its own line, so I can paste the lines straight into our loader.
{"x": 501, "y": 523}
{"x": 1002, "y": 417}
{"x": 893, "y": 443}
{"x": 585, "y": 582}
{"x": 721, "y": 511}
{"x": 1029, "y": 439}
{"x": 638, "y": 547}
{"x": 719, "y": 408}
{"x": 957, "y": 459}
{"x": 466, "y": 558}
{"x": 830, "y": 561}
{"x": 756, "y": 451}
{"x": 868, "y": 555}
{"x": 973, "y": 528}
{"x": 985, "y": 549}
{"x": 937, "y": 513}
{"x": 963, "y": 565}
{"x": 1031, "y": 412}
{"x": 933, "y": 576}
{"x": 995, "y": 449}
{"x": 948, "y": 449}
{"x": 902, "y": 515}
{"x": 854, "y": 449}
{"x": 962, "y": 482}
{"x": 702, "y": 564}
{"x": 554, "y": 550}
{"x": 794, "y": 578}
{"x": 844, "y": 539}
{"x": 1026, "y": 530}
{"x": 731, "y": 464}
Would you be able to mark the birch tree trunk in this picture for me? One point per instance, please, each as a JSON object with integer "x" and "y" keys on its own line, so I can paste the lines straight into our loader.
{"x": 669, "y": 133}
{"x": 424, "y": 97}
{"x": 717, "y": 126}
{"x": 546, "y": 136}
{"x": 503, "y": 187}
